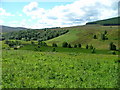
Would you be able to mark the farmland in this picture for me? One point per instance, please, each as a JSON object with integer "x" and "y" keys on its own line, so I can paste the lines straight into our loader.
{"x": 31, "y": 69}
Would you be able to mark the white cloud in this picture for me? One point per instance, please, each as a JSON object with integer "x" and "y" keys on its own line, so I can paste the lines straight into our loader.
{"x": 1, "y": 22}
{"x": 4, "y": 13}
{"x": 20, "y": 15}
{"x": 77, "y": 13}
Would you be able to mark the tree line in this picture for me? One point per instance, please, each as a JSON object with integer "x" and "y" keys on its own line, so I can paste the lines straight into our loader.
{"x": 28, "y": 35}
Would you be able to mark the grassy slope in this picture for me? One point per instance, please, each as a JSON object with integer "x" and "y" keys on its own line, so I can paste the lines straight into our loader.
{"x": 30, "y": 69}
{"x": 107, "y": 21}
{"x": 84, "y": 35}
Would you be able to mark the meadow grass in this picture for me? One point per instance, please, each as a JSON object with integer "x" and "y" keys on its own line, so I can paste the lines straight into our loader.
{"x": 31, "y": 69}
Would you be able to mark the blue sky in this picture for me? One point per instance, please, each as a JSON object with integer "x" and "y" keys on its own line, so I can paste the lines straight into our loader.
{"x": 36, "y": 14}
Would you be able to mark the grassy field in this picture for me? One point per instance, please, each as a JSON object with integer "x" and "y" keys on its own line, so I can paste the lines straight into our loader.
{"x": 29, "y": 65}
{"x": 61, "y": 49}
{"x": 32, "y": 69}
{"x": 84, "y": 35}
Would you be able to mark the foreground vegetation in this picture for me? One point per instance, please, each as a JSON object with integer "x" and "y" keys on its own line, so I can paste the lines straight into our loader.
{"x": 31, "y": 69}
{"x": 83, "y": 57}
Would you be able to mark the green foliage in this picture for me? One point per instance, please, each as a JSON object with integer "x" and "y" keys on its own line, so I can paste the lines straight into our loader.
{"x": 27, "y": 35}
{"x": 54, "y": 45}
{"x": 79, "y": 45}
{"x": 69, "y": 46}
{"x": 75, "y": 46}
{"x": 107, "y": 22}
{"x": 95, "y": 36}
{"x": 32, "y": 42}
{"x": 112, "y": 46}
{"x": 33, "y": 69}
{"x": 41, "y": 43}
{"x": 114, "y": 53}
{"x": 65, "y": 44}
{"x": 91, "y": 47}
{"x": 93, "y": 50}
{"x": 103, "y": 36}
{"x": 105, "y": 32}
{"x": 53, "y": 50}
{"x": 87, "y": 46}
{"x": 12, "y": 43}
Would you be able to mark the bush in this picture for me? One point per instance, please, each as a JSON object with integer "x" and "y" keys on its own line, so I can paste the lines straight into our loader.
{"x": 91, "y": 47}
{"x": 15, "y": 48}
{"x": 114, "y": 53}
{"x": 79, "y": 45}
{"x": 32, "y": 42}
{"x": 112, "y": 46}
{"x": 65, "y": 44}
{"x": 95, "y": 37}
{"x": 54, "y": 45}
{"x": 38, "y": 46}
{"x": 87, "y": 46}
{"x": 75, "y": 46}
{"x": 69, "y": 46}
{"x": 105, "y": 32}
{"x": 53, "y": 50}
{"x": 93, "y": 50}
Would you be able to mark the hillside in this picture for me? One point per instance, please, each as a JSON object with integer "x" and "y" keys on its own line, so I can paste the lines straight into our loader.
{"x": 107, "y": 22}
{"x": 10, "y": 29}
{"x": 84, "y": 35}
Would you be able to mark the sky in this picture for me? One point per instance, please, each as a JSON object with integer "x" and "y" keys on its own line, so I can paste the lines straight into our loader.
{"x": 53, "y": 13}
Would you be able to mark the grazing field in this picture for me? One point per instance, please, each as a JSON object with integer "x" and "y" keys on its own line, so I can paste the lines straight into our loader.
{"x": 32, "y": 69}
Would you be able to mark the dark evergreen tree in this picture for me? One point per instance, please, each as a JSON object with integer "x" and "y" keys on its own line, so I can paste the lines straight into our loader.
{"x": 103, "y": 36}
{"x": 75, "y": 46}
{"x": 87, "y": 46}
{"x": 54, "y": 45}
{"x": 93, "y": 50}
{"x": 38, "y": 46}
{"x": 53, "y": 50}
{"x": 95, "y": 36}
{"x": 69, "y": 46}
{"x": 65, "y": 44}
{"x": 114, "y": 53}
{"x": 91, "y": 47}
{"x": 32, "y": 42}
{"x": 79, "y": 45}
{"x": 112, "y": 46}
{"x": 105, "y": 32}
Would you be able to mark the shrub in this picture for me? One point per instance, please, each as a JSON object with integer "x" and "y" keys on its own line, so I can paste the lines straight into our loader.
{"x": 112, "y": 46}
{"x": 79, "y": 45}
{"x": 105, "y": 32}
{"x": 32, "y": 42}
{"x": 65, "y": 44}
{"x": 53, "y": 50}
{"x": 91, "y": 47}
{"x": 38, "y": 46}
{"x": 114, "y": 53}
{"x": 93, "y": 50}
{"x": 54, "y": 45}
{"x": 69, "y": 46}
{"x": 75, "y": 46}
{"x": 95, "y": 37}
{"x": 87, "y": 46}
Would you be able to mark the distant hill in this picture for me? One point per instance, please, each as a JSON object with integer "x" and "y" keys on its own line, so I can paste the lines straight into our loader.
{"x": 107, "y": 22}
{"x": 84, "y": 34}
{"x": 10, "y": 29}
